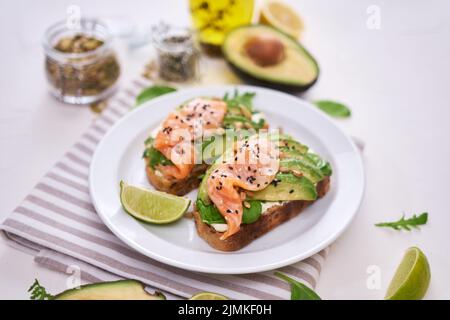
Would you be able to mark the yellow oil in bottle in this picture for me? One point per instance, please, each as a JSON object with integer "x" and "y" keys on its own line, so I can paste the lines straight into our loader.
{"x": 214, "y": 18}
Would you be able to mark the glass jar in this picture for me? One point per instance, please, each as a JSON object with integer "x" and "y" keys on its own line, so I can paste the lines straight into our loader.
{"x": 178, "y": 57}
{"x": 81, "y": 66}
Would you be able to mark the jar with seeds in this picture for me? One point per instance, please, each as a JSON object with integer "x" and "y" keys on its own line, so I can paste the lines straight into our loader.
{"x": 177, "y": 55}
{"x": 81, "y": 66}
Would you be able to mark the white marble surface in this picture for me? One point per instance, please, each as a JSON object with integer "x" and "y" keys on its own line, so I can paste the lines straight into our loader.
{"x": 395, "y": 80}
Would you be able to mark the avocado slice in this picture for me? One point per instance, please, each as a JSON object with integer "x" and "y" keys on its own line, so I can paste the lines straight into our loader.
{"x": 203, "y": 188}
{"x": 287, "y": 187}
{"x": 311, "y": 172}
{"x": 309, "y": 157}
{"x": 287, "y": 144}
{"x": 294, "y": 69}
{"x": 114, "y": 290}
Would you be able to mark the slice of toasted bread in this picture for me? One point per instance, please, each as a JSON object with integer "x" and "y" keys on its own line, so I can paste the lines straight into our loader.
{"x": 248, "y": 232}
{"x": 173, "y": 186}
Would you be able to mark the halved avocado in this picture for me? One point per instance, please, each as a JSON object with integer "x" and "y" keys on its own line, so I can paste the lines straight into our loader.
{"x": 263, "y": 55}
{"x": 114, "y": 290}
{"x": 287, "y": 187}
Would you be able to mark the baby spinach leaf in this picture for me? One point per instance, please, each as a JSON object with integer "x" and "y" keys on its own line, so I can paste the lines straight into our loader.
{"x": 298, "y": 290}
{"x": 333, "y": 108}
{"x": 253, "y": 213}
{"x": 151, "y": 93}
{"x": 209, "y": 213}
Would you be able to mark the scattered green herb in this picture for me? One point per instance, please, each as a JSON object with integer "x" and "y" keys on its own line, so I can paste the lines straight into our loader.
{"x": 152, "y": 92}
{"x": 298, "y": 290}
{"x": 38, "y": 292}
{"x": 334, "y": 109}
{"x": 406, "y": 224}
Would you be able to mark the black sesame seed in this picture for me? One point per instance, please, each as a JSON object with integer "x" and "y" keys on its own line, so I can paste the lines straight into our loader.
{"x": 230, "y": 167}
{"x": 228, "y": 211}
{"x": 236, "y": 211}
{"x": 291, "y": 191}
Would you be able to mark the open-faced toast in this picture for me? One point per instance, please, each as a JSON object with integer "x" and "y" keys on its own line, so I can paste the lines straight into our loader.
{"x": 171, "y": 152}
{"x": 239, "y": 202}
{"x": 270, "y": 219}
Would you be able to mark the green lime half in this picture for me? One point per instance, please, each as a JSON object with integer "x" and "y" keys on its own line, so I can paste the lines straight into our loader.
{"x": 208, "y": 296}
{"x": 152, "y": 206}
{"x": 412, "y": 278}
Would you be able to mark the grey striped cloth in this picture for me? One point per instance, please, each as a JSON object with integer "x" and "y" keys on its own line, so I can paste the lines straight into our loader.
{"x": 58, "y": 222}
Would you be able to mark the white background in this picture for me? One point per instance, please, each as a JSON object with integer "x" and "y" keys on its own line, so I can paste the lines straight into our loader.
{"x": 395, "y": 79}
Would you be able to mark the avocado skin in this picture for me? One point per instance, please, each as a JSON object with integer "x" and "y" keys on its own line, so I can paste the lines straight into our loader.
{"x": 292, "y": 89}
{"x": 255, "y": 80}
{"x": 113, "y": 290}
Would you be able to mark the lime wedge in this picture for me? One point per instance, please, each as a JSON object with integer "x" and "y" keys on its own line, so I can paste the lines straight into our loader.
{"x": 152, "y": 206}
{"x": 412, "y": 278}
{"x": 208, "y": 296}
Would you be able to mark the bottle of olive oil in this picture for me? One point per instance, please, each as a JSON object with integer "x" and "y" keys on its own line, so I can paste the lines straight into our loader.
{"x": 214, "y": 18}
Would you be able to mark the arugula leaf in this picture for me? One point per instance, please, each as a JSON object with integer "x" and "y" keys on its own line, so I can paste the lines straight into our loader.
{"x": 406, "y": 224}
{"x": 245, "y": 99}
{"x": 151, "y": 93}
{"x": 298, "y": 290}
{"x": 253, "y": 213}
{"x": 209, "y": 213}
{"x": 334, "y": 109}
{"x": 38, "y": 292}
{"x": 156, "y": 158}
{"x": 231, "y": 119}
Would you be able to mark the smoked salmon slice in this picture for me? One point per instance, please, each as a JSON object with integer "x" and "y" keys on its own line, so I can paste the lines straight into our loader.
{"x": 253, "y": 168}
{"x": 182, "y": 128}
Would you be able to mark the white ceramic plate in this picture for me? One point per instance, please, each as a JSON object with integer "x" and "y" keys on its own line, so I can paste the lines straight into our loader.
{"x": 119, "y": 156}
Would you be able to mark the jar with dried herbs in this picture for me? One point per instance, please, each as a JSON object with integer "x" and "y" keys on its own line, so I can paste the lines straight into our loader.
{"x": 80, "y": 64}
{"x": 178, "y": 56}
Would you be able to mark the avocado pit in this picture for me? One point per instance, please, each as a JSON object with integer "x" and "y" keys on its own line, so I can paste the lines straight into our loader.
{"x": 265, "y": 50}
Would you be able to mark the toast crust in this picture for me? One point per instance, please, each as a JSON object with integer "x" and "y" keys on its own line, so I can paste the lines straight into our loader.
{"x": 248, "y": 232}
{"x": 174, "y": 186}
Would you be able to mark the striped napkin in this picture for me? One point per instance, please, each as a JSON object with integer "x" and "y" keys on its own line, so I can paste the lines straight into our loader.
{"x": 58, "y": 223}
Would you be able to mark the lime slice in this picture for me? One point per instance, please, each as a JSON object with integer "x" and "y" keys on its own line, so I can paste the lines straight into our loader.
{"x": 282, "y": 17}
{"x": 152, "y": 206}
{"x": 208, "y": 296}
{"x": 412, "y": 278}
